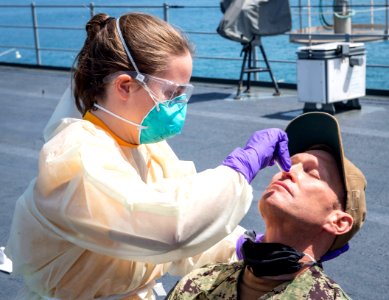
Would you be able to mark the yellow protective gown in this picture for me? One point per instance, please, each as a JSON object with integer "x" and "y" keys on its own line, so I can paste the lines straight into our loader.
{"x": 104, "y": 217}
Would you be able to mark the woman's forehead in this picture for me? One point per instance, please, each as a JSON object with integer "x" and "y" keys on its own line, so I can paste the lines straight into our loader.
{"x": 179, "y": 69}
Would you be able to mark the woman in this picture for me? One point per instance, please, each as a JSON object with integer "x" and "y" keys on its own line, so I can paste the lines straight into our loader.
{"x": 112, "y": 208}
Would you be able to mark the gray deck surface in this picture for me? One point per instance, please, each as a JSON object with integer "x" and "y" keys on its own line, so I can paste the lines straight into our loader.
{"x": 215, "y": 125}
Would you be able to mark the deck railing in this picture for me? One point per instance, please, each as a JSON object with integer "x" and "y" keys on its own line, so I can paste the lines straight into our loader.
{"x": 301, "y": 11}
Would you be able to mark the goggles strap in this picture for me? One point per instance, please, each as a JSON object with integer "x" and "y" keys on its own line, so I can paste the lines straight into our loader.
{"x": 139, "y": 76}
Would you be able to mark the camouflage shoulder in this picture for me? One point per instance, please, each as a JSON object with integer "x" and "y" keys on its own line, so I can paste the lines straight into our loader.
{"x": 215, "y": 281}
{"x": 325, "y": 287}
{"x": 315, "y": 284}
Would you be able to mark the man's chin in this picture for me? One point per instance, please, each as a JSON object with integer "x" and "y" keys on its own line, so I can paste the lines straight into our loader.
{"x": 267, "y": 194}
{"x": 273, "y": 201}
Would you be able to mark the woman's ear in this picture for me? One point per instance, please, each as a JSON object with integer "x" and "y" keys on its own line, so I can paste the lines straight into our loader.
{"x": 123, "y": 85}
{"x": 338, "y": 222}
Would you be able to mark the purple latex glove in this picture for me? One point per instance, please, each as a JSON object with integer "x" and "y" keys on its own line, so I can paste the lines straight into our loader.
{"x": 257, "y": 237}
{"x": 261, "y": 150}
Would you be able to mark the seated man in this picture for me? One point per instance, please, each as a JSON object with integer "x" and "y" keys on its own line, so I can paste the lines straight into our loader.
{"x": 310, "y": 213}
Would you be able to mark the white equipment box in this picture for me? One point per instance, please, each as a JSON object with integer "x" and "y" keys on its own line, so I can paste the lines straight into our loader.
{"x": 332, "y": 72}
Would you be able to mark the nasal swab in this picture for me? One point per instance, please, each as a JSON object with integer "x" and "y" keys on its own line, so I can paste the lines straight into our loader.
{"x": 278, "y": 165}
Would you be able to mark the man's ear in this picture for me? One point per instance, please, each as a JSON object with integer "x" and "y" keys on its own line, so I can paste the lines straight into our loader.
{"x": 123, "y": 85}
{"x": 338, "y": 222}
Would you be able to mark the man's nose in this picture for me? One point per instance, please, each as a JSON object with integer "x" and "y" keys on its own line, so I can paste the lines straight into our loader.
{"x": 293, "y": 173}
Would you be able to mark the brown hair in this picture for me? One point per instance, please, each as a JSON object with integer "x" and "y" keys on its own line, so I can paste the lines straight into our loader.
{"x": 150, "y": 40}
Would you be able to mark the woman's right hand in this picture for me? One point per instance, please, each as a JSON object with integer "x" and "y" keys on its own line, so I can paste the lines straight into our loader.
{"x": 262, "y": 149}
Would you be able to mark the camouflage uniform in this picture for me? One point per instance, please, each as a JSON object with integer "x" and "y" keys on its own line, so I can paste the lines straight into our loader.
{"x": 220, "y": 281}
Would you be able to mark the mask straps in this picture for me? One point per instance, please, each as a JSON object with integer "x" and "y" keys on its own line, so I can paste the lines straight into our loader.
{"x": 138, "y": 126}
{"x": 139, "y": 77}
{"x": 311, "y": 263}
{"x": 258, "y": 238}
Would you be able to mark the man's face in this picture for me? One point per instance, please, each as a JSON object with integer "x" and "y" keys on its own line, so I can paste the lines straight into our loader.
{"x": 307, "y": 194}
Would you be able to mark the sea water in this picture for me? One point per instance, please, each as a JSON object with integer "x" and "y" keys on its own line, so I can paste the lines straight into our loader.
{"x": 197, "y": 16}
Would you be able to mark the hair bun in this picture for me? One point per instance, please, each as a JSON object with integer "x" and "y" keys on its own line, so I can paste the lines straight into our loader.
{"x": 97, "y": 23}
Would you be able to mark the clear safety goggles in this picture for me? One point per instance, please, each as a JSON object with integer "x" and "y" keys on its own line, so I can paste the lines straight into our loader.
{"x": 162, "y": 91}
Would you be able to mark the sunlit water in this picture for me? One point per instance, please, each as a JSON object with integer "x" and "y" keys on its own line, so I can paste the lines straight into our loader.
{"x": 189, "y": 18}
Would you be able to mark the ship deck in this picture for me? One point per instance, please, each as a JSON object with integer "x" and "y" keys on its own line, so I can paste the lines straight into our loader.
{"x": 216, "y": 124}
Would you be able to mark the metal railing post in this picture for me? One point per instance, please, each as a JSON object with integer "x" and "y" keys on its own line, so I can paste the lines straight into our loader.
{"x": 300, "y": 15}
{"x": 36, "y": 34}
{"x": 386, "y": 31}
{"x": 92, "y": 9}
{"x": 166, "y": 12}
